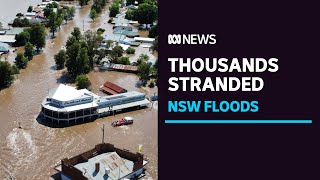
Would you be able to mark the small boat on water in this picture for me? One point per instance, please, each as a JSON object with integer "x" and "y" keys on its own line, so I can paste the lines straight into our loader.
{"x": 123, "y": 121}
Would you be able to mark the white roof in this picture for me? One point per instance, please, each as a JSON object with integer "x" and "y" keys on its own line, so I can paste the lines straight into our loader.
{"x": 124, "y": 46}
{"x": 66, "y": 93}
{"x": 71, "y": 108}
{"x": 7, "y": 38}
{"x": 31, "y": 13}
{"x": 144, "y": 39}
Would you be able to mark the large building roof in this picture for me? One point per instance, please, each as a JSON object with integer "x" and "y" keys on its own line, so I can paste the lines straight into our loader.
{"x": 111, "y": 165}
{"x": 67, "y": 93}
{"x": 112, "y": 88}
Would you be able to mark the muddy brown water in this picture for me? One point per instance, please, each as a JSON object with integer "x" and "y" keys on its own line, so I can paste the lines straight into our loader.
{"x": 33, "y": 151}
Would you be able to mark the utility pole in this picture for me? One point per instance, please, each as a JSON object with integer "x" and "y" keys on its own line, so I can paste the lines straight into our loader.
{"x": 102, "y": 133}
{"x": 83, "y": 25}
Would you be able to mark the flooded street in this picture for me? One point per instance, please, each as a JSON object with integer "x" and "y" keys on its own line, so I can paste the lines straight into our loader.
{"x": 33, "y": 151}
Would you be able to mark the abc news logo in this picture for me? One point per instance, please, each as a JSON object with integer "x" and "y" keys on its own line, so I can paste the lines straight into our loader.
{"x": 192, "y": 39}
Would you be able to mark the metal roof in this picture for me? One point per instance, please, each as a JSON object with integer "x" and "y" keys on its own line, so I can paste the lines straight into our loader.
{"x": 111, "y": 166}
{"x": 4, "y": 47}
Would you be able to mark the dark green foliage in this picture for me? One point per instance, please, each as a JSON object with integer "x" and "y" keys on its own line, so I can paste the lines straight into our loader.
{"x": 115, "y": 54}
{"x": 28, "y": 50}
{"x": 17, "y": 22}
{"x": 82, "y": 82}
{"x": 114, "y": 10}
{"x": 19, "y": 15}
{"x": 76, "y": 33}
{"x": 101, "y": 30}
{"x": 153, "y": 31}
{"x": 22, "y": 38}
{"x": 20, "y": 61}
{"x": 130, "y": 50}
{"x": 124, "y": 61}
{"x": 93, "y": 14}
{"x": 6, "y": 74}
{"x": 154, "y": 46}
{"x": 146, "y": 13}
{"x": 38, "y": 36}
{"x": 60, "y": 59}
{"x": 144, "y": 71}
{"x": 30, "y": 9}
{"x": 130, "y": 14}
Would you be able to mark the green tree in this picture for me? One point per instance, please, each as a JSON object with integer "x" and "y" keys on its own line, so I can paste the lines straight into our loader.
{"x": 55, "y": 5}
{"x": 93, "y": 41}
{"x": 71, "y": 40}
{"x": 38, "y": 36}
{"x": 82, "y": 2}
{"x": 146, "y": 13}
{"x": 6, "y": 74}
{"x": 71, "y": 12}
{"x": 28, "y": 50}
{"x": 53, "y": 22}
{"x": 124, "y": 61}
{"x": 115, "y": 54}
{"x": 22, "y": 38}
{"x": 78, "y": 60}
{"x": 144, "y": 71}
{"x": 130, "y": 50}
{"x": 82, "y": 82}
{"x": 154, "y": 46}
{"x": 30, "y": 9}
{"x": 76, "y": 33}
{"x": 93, "y": 14}
{"x": 153, "y": 31}
{"x": 47, "y": 11}
{"x": 60, "y": 59}
{"x": 130, "y": 14}
{"x": 114, "y": 10}
{"x": 20, "y": 61}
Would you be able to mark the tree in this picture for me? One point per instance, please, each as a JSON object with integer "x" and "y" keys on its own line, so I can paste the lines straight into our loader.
{"x": 82, "y": 2}
{"x": 124, "y": 61}
{"x": 38, "y": 36}
{"x": 19, "y": 15}
{"x": 71, "y": 40}
{"x": 30, "y": 9}
{"x": 93, "y": 41}
{"x": 144, "y": 71}
{"x": 20, "y": 61}
{"x": 82, "y": 82}
{"x": 130, "y": 14}
{"x": 55, "y": 5}
{"x": 130, "y": 50}
{"x": 28, "y": 50}
{"x": 93, "y": 14}
{"x": 153, "y": 31}
{"x": 22, "y": 38}
{"x": 114, "y": 10}
{"x": 76, "y": 33}
{"x": 71, "y": 12}
{"x": 47, "y": 11}
{"x": 78, "y": 60}
{"x": 154, "y": 46}
{"x": 115, "y": 53}
{"x": 53, "y": 22}
{"x": 146, "y": 13}
{"x": 60, "y": 59}
{"x": 6, "y": 74}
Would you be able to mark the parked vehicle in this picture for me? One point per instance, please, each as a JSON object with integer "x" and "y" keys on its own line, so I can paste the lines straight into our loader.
{"x": 123, "y": 121}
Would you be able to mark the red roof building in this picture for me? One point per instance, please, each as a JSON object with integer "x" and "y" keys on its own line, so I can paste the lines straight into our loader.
{"x": 110, "y": 88}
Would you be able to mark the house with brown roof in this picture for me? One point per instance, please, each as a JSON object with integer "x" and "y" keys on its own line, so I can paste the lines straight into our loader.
{"x": 111, "y": 88}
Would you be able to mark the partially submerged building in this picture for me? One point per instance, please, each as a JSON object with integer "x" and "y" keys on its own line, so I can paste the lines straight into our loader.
{"x": 111, "y": 88}
{"x": 103, "y": 162}
{"x": 66, "y": 105}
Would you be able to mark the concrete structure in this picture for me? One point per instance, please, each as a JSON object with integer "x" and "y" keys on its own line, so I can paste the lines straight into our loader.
{"x": 66, "y": 105}
{"x": 103, "y": 162}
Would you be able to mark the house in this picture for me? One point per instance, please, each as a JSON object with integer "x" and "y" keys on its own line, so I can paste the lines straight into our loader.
{"x": 4, "y": 48}
{"x": 111, "y": 88}
{"x": 7, "y": 39}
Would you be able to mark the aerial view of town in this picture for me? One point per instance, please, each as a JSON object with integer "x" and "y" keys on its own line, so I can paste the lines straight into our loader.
{"x": 78, "y": 89}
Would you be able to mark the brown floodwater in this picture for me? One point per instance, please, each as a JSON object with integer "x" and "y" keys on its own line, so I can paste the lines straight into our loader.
{"x": 33, "y": 151}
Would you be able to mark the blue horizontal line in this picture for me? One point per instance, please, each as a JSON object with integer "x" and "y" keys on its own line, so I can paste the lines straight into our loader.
{"x": 262, "y": 121}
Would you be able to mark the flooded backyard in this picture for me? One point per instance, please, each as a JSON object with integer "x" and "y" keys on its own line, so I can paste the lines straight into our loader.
{"x": 33, "y": 151}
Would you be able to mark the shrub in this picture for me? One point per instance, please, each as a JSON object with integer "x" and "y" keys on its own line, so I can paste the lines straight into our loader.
{"x": 130, "y": 50}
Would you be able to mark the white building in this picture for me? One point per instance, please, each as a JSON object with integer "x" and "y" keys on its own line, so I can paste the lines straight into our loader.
{"x": 67, "y": 105}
